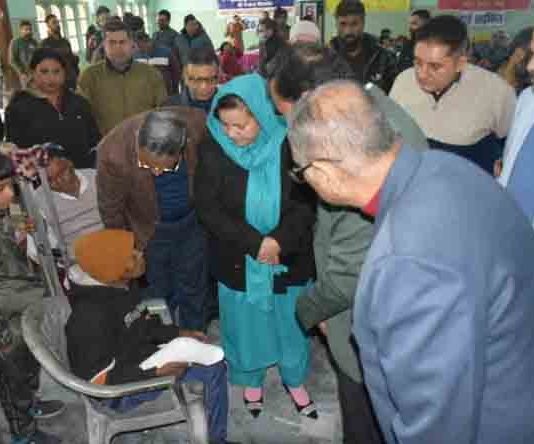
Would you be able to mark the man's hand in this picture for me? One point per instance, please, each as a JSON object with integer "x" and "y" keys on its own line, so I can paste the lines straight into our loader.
{"x": 173, "y": 369}
{"x": 322, "y": 328}
{"x": 137, "y": 267}
{"x": 27, "y": 168}
{"x": 269, "y": 251}
{"x": 193, "y": 334}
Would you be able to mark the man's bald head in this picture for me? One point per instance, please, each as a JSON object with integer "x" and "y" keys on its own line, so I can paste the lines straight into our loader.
{"x": 339, "y": 121}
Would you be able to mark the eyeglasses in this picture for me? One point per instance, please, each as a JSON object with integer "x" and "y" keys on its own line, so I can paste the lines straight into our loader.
{"x": 297, "y": 173}
{"x": 209, "y": 80}
{"x": 156, "y": 170}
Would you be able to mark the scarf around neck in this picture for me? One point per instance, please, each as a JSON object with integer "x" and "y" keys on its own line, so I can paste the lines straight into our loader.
{"x": 262, "y": 160}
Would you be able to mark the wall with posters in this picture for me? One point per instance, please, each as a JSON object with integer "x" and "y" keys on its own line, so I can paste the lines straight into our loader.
{"x": 396, "y": 21}
{"x": 484, "y": 5}
{"x": 207, "y": 12}
{"x": 215, "y": 23}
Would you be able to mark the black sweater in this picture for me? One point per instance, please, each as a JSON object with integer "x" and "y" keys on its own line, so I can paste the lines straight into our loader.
{"x": 220, "y": 189}
{"x": 32, "y": 120}
{"x": 96, "y": 334}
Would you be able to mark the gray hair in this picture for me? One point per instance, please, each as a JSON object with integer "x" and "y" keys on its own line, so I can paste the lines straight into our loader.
{"x": 339, "y": 121}
{"x": 163, "y": 133}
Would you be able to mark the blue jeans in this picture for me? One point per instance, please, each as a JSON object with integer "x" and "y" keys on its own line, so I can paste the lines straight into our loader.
{"x": 177, "y": 270}
{"x": 215, "y": 383}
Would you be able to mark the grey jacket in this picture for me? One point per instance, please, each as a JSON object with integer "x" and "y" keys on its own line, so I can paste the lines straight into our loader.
{"x": 341, "y": 242}
{"x": 165, "y": 38}
{"x": 20, "y": 54}
{"x": 185, "y": 44}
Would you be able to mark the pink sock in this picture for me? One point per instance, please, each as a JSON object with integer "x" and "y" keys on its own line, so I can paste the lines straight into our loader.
{"x": 300, "y": 395}
{"x": 253, "y": 394}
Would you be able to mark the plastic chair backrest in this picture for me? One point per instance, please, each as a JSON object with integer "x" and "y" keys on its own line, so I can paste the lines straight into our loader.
{"x": 44, "y": 249}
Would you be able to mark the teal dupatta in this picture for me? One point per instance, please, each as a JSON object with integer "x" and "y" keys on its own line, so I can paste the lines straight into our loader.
{"x": 262, "y": 160}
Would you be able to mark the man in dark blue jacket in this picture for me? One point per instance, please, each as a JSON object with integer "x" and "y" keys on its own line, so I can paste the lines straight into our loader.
{"x": 201, "y": 76}
{"x": 443, "y": 311}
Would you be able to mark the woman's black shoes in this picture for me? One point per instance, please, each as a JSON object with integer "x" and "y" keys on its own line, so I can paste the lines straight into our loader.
{"x": 308, "y": 411}
{"x": 254, "y": 407}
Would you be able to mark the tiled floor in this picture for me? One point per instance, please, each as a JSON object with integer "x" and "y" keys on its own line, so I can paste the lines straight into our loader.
{"x": 278, "y": 423}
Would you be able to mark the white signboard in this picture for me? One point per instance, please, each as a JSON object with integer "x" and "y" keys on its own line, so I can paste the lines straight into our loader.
{"x": 483, "y": 18}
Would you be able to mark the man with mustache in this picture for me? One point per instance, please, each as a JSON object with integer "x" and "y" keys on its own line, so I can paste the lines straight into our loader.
{"x": 461, "y": 108}
{"x": 369, "y": 61}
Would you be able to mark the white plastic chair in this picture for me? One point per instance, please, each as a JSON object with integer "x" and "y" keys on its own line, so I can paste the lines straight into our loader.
{"x": 180, "y": 403}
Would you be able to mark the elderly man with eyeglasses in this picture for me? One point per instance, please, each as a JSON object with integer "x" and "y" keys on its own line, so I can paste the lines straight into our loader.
{"x": 144, "y": 181}
{"x": 442, "y": 313}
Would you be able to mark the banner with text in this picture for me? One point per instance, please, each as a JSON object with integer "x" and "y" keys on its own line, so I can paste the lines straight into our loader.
{"x": 375, "y": 5}
{"x": 237, "y": 5}
{"x": 481, "y": 18}
{"x": 484, "y": 5}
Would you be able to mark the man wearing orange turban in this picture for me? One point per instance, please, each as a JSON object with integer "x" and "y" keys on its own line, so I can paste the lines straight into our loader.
{"x": 109, "y": 332}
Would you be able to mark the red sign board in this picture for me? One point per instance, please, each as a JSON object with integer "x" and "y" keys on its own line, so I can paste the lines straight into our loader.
{"x": 484, "y": 5}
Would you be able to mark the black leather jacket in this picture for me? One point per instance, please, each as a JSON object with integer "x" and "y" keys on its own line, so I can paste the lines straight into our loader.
{"x": 380, "y": 65}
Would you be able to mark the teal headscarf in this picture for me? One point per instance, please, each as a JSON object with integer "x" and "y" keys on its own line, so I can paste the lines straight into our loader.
{"x": 262, "y": 159}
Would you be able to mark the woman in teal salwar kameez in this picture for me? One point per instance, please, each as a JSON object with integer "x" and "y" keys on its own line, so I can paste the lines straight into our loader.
{"x": 260, "y": 225}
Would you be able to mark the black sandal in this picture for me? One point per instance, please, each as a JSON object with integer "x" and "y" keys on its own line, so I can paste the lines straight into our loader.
{"x": 308, "y": 411}
{"x": 254, "y": 407}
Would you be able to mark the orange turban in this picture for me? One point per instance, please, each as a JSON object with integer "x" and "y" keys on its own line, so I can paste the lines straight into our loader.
{"x": 106, "y": 254}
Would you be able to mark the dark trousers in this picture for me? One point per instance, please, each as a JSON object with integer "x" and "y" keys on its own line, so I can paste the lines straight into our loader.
{"x": 215, "y": 382}
{"x": 19, "y": 380}
{"x": 177, "y": 269}
{"x": 359, "y": 422}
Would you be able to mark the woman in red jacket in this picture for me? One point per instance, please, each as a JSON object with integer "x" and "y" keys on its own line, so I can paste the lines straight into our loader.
{"x": 230, "y": 62}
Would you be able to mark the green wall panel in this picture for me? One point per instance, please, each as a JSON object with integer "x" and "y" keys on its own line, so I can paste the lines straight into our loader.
{"x": 20, "y": 10}
{"x": 206, "y": 11}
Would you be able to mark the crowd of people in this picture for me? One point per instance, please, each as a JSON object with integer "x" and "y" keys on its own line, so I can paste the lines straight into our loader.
{"x": 378, "y": 195}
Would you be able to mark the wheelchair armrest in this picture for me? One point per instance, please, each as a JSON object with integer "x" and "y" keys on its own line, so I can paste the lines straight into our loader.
{"x": 31, "y": 330}
{"x": 158, "y": 306}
